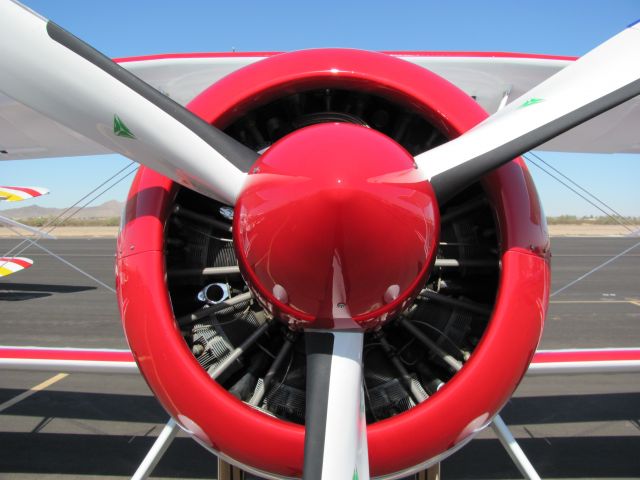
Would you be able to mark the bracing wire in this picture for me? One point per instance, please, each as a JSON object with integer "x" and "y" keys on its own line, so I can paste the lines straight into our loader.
{"x": 608, "y": 214}
{"x": 57, "y": 221}
{"x": 601, "y": 202}
{"x": 618, "y": 218}
{"x": 29, "y": 242}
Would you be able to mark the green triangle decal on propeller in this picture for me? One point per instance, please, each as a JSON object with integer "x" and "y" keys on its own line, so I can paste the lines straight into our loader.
{"x": 120, "y": 129}
{"x": 355, "y": 474}
{"x": 531, "y": 101}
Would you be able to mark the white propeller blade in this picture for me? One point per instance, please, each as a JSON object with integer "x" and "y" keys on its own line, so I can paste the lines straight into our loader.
{"x": 600, "y": 80}
{"x": 55, "y": 73}
{"x": 335, "y": 444}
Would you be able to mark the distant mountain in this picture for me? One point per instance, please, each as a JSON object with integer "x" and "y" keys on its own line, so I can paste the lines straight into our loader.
{"x": 109, "y": 209}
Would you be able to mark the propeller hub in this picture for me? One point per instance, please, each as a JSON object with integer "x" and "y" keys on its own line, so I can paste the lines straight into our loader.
{"x": 336, "y": 228}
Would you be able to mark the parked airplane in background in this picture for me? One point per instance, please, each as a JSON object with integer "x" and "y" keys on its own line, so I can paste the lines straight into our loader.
{"x": 16, "y": 194}
{"x": 331, "y": 251}
{"x": 9, "y": 265}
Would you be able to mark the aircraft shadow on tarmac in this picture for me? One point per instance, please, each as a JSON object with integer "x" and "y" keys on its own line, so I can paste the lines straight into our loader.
{"x": 119, "y": 452}
{"x": 14, "y": 292}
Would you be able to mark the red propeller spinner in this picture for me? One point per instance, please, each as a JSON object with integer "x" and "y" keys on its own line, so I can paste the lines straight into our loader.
{"x": 335, "y": 228}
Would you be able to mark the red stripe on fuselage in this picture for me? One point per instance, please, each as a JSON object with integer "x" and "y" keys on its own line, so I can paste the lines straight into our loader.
{"x": 603, "y": 355}
{"x": 559, "y": 356}
{"x": 90, "y": 355}
{"x": 534, "y": 56}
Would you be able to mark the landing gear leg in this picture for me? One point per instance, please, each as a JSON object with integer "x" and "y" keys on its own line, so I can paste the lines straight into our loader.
{"x": 513, "y": 449}
{"x": 158, "y": 449}
{"x": 226, "y": 471}
{"x": 431, "y": 473}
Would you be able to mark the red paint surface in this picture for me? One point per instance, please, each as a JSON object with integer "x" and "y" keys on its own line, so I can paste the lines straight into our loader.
{"x": 465, "y": 404}
{"x": 337, "y": 216}
{"x": 144, "y": 213}
{"x": 520, "y": 218}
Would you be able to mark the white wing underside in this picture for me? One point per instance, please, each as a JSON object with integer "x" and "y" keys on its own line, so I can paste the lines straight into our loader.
{"x": 25, "y": 134}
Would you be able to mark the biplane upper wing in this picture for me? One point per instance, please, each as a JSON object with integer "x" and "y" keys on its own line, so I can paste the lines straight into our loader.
{"x": 493, "y": 79}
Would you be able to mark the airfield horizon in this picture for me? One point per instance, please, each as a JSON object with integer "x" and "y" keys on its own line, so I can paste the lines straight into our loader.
{"x": 563, "y": 230}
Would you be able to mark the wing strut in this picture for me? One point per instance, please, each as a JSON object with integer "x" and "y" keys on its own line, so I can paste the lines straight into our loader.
{"x": 157, "y": 450}
{"x": 513, "y": 449}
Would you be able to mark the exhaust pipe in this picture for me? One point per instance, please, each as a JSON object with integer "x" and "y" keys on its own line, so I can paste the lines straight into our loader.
{"x": 214, "y": 293}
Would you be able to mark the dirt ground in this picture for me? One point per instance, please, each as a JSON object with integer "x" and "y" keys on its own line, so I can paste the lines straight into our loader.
{"x": 72, "y": 232}
{"x": 593, "y": 231}
{"x": 554, "y": 231}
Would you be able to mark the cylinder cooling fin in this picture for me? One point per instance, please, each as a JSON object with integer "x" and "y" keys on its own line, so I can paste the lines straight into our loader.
{"x": 228, "y": 373}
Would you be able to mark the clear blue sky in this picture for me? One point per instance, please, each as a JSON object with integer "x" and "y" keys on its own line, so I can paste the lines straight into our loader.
{"x": 120, "y": 28}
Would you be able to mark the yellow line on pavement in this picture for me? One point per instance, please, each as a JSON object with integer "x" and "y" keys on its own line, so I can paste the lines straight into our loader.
{"x": 41, "y": 386}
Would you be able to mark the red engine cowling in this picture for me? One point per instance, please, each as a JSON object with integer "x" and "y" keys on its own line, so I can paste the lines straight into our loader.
{"x": 483, "y": 302}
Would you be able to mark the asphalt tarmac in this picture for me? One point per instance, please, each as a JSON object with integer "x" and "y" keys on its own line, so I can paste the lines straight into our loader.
{"x": 90, "y": 426}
